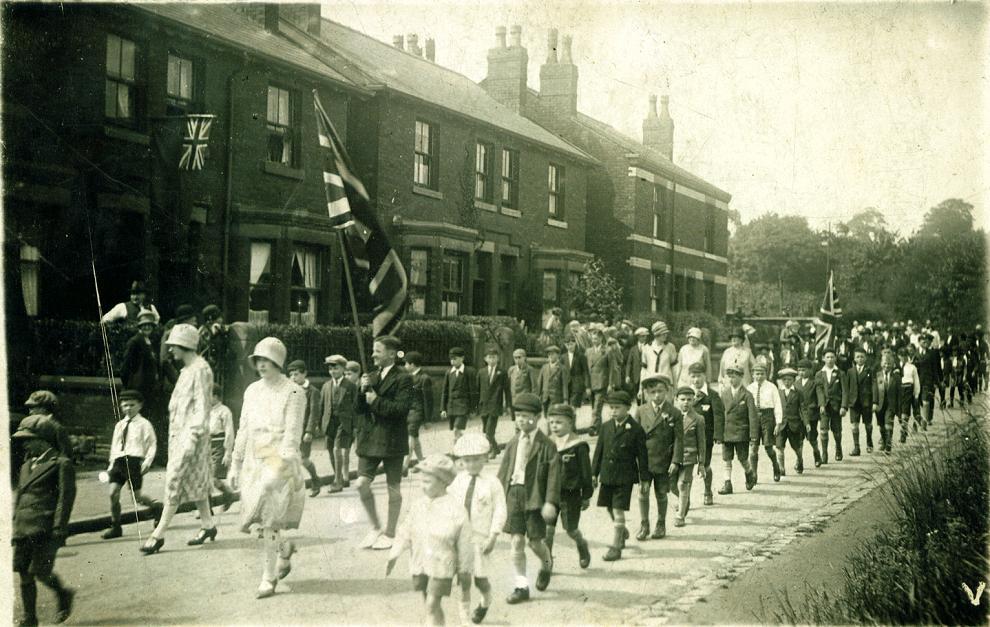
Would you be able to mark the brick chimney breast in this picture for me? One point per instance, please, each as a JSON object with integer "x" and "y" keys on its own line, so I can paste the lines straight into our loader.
{"x": 652, "y": 132}
{"x": 507, "y": 70}
{"x": 559, "y": 80}
{"x": 666, "y": 128}
{"x": 552, "y": 46}
{"x": 431, "y": 50}
{"x": 515, "y": 36}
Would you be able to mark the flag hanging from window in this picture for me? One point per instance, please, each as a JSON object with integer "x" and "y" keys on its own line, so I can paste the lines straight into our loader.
{"x": 829, "y": 314}
{"x": 365, "y": 243}
{"x": 195, "y": 142}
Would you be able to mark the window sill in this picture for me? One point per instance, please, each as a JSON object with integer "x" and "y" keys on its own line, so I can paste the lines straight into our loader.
{"x": 127, "y": 135}
{"x": 426, "y": 191}
{"x": 560, "y": 224}
{"x": 279, "y": 169}
{"x": 485, "y": 206}
{"x": 512, "y": 213}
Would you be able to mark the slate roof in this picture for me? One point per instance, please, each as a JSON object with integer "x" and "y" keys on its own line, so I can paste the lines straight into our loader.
{"x": 222, "y": 23}
{"x": 416, "y": 77}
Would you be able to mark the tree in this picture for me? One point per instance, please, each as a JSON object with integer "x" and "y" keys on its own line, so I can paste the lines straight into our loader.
{"x": 778, "y": 250}
{"x": 948, "y": 218}
{"x": 596, "y": 294}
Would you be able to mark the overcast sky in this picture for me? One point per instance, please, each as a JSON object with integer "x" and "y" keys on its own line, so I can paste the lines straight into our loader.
{"x": 812, "y": 109}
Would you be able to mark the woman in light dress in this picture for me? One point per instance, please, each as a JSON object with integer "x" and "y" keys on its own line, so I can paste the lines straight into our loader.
{"x": 691, "y": 353}
{"x": 267, "y": 466}
{"x": 187, "y": 474}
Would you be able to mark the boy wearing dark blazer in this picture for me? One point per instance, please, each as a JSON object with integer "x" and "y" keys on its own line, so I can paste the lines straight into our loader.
{"x": 552, "y": 387}
{"x": 493, "y": 395}
{"x": 663, "y": 425}
{"x": 603, "y": 373}
{"x": 421, "y": 409}
{"x": 42, "y": 506}
{"x": 886, "y": 398}
{"x": 805, "y": 384}
{"x": 791, "y": 429}
{"x": 708, "y": 403}
{"x": 523, "y": 378}
{"x": 737, "y": 428}
{"x": 338, "y": 400}
{"x": 459, "y": 396}
{"x": 859, "y": 399}
{"x": 830, "y": 389}
{"x": 578, "y": 379}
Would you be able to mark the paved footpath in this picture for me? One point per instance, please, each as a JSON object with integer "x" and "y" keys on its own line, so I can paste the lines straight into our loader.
{"x": 334, "y": 582}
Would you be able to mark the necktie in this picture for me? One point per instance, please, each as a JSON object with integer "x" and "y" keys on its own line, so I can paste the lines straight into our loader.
{"x": 758, "y": 386}
{"x": 491, "y": 377}
{"x": 123, "y": 435}
{"x": 470, "y": 494}
{"x": 656, "y": 363}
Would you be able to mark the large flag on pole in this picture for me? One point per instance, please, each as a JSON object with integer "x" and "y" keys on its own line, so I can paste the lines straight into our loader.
{"x": 829, "y": 314}
{"x": 365, "y": 243}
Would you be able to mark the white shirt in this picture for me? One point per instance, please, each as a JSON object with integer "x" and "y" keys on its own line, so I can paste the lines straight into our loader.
{"x": 488, "y": 512}
{"x": 522, "y": 456}
{"x": 119, "y": 312}
{"x": 222, "y": 424}
{"x": 141, "y": 440}
{"x": 438, "y": 536}
{"x": 458, "y": 370}
{"x": 909, "y": 376}
{"x": 828, "y": 373}
{"x": 384, "y": 372}
{"x": 767, "y": 396}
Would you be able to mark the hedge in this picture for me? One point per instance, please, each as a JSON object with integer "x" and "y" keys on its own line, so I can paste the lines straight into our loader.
{"x": 76, "y": 347}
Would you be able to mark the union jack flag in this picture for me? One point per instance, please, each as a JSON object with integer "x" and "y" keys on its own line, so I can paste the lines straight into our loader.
{"x": 829, "y": 314}
{"x": 195, "y": 142}
{"x": 365, "y": 242}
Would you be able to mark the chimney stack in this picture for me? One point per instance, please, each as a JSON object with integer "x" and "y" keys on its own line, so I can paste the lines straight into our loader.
{"x": 666, "y": 128}
{"x": 651, "y": 126}
{"x": 412, "y": 44}
{"x": 559, "y": 80}
{"x": 515, "y": 36}
{"x": 271, "y": 17}
{"x": 398, "y": 41}
{"x": 431, "y": 50}
{"x": 507, "y": 67}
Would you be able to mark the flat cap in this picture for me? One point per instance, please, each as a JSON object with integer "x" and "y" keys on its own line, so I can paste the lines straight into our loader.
{"x": 527, "y": 402}
{"x": 618, "y": 397}
{"x": 734, "y": 370}
{"x": 440, "y": 466}
{"x": 643, "y": 331}
{"x": 471, "y": 443}
{"x": 697, "y": 368}
{"x": 653, "y": 379}
{"x": 552, "y": 349}
{"x": 455, "y": 351}
{"x": 806, "y": 363}
{"x": 40, "y": 427}
{"x": 686, "y": 391}
{"x": 519, "y": 352}
{"x": 335, "y": 360}
{"x": 131, "y": 395}
{"x": 562, "y": 409}
{"x": 758, "y": 367}
{"x": 296, "y": 364}
{"x": 786, "y": 372}
{"x": 41, "y": 397}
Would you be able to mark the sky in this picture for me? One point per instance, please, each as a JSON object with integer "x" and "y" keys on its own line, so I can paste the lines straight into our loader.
{"x": 813, "y": 109}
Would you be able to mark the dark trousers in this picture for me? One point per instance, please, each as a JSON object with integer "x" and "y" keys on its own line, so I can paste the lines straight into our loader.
{"x": 577, "y": 396}
{"x": 489, "y": 422}
{"x": 598, "y": 401}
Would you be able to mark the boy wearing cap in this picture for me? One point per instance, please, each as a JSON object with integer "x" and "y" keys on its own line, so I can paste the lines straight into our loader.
{"x": 603, "y": 373}
{"x": 805, "y": 385}
{"x": 459, "y": 395}
{"x": 132, "y": 450}
{"x": 886, "y": 399}
{"x": 338, "y": 421}
{"x": 552, "y": 386}
{"x": 737, "y": 428}
{"x": 791, "y": 430}
{"x": 311, "y": 421}
{"x": 42, "y": 506}
{"x": 830, "y": 389}
{"x": 575, "y": 478}
{"x": 766, "y": 398}
{"x": 139, "y": 368}
{"x": 708, "y": 403}
{"x": 859, "y": 399}
{"x": 530, "y": 475}
{"x": 437, "y": 533}
{"x": 523, "y": 378}
{"x": 620, "y": 461}
{"x": 484, "y": 501}
{"x": 694, "y": 451}
{"x": 422, "y": 405}
{"x": 663, "y": 425}
{"x": 737, "y": 356}
{"x": 43, "y": 403}
{"x": 493, "y": 392}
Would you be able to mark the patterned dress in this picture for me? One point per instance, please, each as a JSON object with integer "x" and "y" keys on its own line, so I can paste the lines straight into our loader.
{"x": 187, "y": 475}
{"x": 266, "y": 454}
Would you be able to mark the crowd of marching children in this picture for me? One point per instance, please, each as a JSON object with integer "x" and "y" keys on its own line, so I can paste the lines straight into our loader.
{"x": 658, "y": 413}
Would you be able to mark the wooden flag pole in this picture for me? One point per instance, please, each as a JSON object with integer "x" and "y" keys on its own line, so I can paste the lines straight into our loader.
{"x": 355, "y": 324}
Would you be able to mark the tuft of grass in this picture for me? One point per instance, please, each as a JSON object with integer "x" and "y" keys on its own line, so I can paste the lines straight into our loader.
{"x": 912, "y": 570}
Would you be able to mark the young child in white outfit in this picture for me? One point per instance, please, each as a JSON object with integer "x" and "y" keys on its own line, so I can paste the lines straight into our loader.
{"x": 484, "y": 499}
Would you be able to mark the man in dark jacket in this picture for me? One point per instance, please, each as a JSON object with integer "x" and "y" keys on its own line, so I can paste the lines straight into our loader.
{"x": 859, "y": 398}
{"x": 578, "y": 381}
{"x": 929, "y": 365}
{"x": 42, "y": 506}
{"x": 459, "y": 395}
{"x": 384, "y": 399}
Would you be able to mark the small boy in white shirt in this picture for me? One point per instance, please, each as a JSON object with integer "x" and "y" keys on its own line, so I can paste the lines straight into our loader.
{"x": 484, "y": 500}
{"x": 132, "y": 450}
{"x": 770, "y": 413}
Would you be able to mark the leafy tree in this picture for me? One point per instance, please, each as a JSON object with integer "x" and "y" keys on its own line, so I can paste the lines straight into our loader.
{"x": 778, "y": 249}
{"x": 948, "y": 218}
{"x": 595, "y": 295}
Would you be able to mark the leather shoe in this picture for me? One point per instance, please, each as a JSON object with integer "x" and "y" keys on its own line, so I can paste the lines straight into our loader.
{"x": 660, "y": 531}
{"x": 727, "y": 488}
{"x": 855, "y": 453}
{"x": 750, "y": 480}
{"x": 64, "y": 605}
{"x": 584, "y": 555}
{"x": 612, "y": 554}
{"x": 644, "y": 531}
{"x": 518, "y": 596}
{"x": 543, "y": 578}
{"x": 479, "y": 614}
{"x": 679, "y": 522}
{"x": 203, "y": 535}
{"x": 153, "y": 545}
{"x": 709, "y": 500}
{"x": 112, "y": 532}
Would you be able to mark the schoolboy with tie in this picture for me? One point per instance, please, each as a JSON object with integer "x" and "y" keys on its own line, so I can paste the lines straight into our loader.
{"x": 708, "y": 403}
{"x": 737, "y": 428}
{"x": 493, "y": 395}
{"x": 459, "y": 396}
{"x": 830, "y": 389}
{"x": 791, "y": 430}
{"x": 694, "y": 452}
{"x": 663, "y": 425}
{"x": 132, "y": 450}
{"x": 553, "y": 381}
{"x": 578, "y": 379}
{"x": 339, "y": 401}
{"x": 766, "y": 398}
{"x": 604, "y": 375}
{"x": 805, "y": 384}
{"x": 910, "y": 393}
{"x": 859, "y": 399}
{"x": 886, "y": 399}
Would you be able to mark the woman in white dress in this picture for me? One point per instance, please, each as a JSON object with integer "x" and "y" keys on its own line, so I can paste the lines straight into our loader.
{"x": 187, "y": 474}
{"x": 266, "y": 463}
{"x": 691, "y": 353}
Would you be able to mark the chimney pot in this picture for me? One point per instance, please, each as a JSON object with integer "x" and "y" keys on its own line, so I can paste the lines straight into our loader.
{"x": 412, "y": 44}
{"x": 652, "y": 112}
{"x": 515, "y": 36}
{"x": 566, "y": 54}
{"x": 500, "y": 36}
{"x": 398, "y": 41}
{"x": 552, "y": 45}
{"x": 431, "y": 49}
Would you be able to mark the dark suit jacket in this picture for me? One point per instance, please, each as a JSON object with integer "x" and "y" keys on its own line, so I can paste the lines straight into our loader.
{"x": 314, "y": 410}
{"x": 542, "y": 470}
{"x": 139, "y": 370}
{"x": 603, "y": 371}
{"x": 831, "y": 393}
{"x": 859, "y": 387}
{"x": 694, "y": 437}
{"x": 929, "y": 367}
{"x": 459, "y": 396}
{"x": 579, "y": 378}
{"x": 710, "y": 406}
{"x": 522, "y": 381}
{"x": 633, "y": 366}
{"x": 422, "y": 406}
{"x": 664, "y": 435}
{"x": 887, "y": 397}
{"x": 809, "y": 394}
{"x": 493, "y": 394}
{"x": 620, "y": 454}
{"x": 552, "y": 383}
{"x": 385, "y": 433}
{"x": 339, "y": 411}
{"x": 44, "y": 498}
{"x": 793, "y": 406}
{"x": 740, "y": 422}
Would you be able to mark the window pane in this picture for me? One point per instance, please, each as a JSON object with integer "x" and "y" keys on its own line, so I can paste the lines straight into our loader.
{"x": 113, "y": 55}
{"x": 185, "y": 84}
{"x": 172, "y": 81}
{"x": 123, "y": 101}
{"x": 418, "y": 267}
{"x": 127, "y": 59}
{"x": 549, "y": 286}
{"x": 272, "y": 104}
{"x": 111, "y": 100}
{"x": 261, "y": 253}
{"x": 284, "y": 109}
